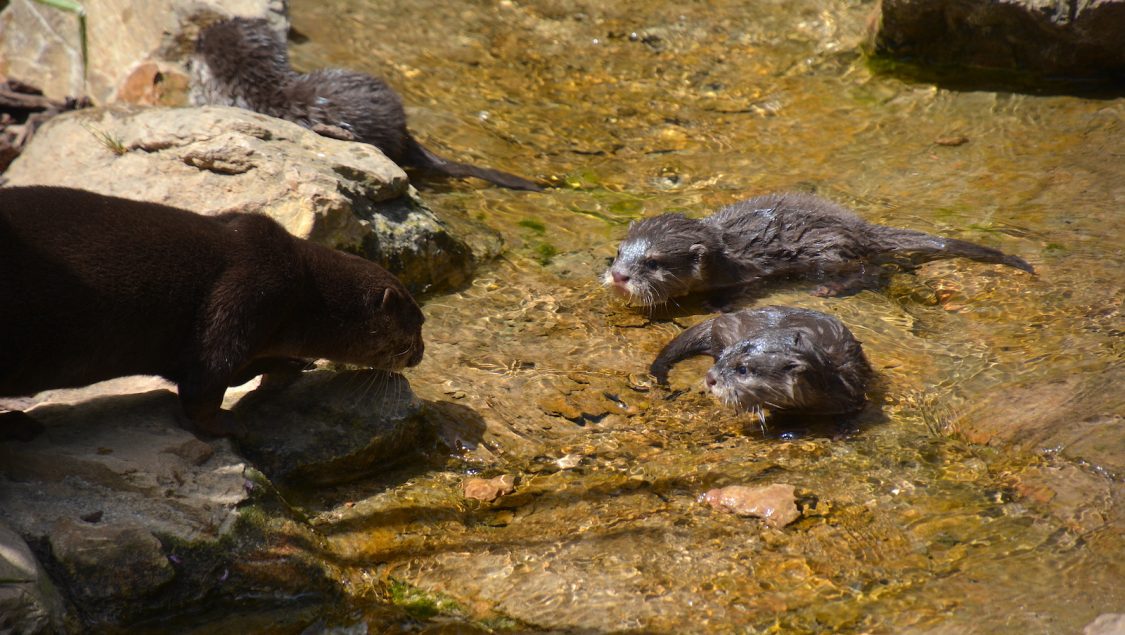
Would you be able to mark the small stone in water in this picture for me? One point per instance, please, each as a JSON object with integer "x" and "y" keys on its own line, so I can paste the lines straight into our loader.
{"x": 776, "y": 504}
{"x": 569, "y": 461}
{"x": 489, "y": 489}
{"x": 952, "y": 140}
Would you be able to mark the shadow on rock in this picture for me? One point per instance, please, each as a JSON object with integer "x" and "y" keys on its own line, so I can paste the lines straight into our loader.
{"x": 330, "y": 427}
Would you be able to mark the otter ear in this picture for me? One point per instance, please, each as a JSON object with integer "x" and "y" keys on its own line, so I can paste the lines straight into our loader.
{"x": 698, "y": 251}
{"x": 391, "y": 297}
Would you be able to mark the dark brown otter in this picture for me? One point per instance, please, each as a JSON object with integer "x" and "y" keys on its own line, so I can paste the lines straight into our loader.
{"x": 771, "y": 236}
{"x": 94, "y": 287}
{"x": 791, "y": 361}
{"x": 241, "y": 62}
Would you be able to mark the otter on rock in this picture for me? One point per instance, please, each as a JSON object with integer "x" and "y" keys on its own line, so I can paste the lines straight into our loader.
{"x": 770, "y": 236}
{"x": 791, "y": 361}
{"x": 241, "y": 62}
{"x": 94, "y": 287}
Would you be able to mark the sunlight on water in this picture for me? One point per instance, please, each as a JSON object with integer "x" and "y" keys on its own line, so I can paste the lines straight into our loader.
{"x": 639, "y": 108}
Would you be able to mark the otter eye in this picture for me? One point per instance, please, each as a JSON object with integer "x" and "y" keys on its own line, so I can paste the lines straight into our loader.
{"x": 741, "y": 369}
{"x": 652, "y": 265}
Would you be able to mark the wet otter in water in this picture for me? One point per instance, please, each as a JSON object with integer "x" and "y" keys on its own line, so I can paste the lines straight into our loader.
{"x": 791, "y": 361}
{"x": 241, "y": 62}
{"x": 94, "y": 287}
{"x": 770, "y": 236}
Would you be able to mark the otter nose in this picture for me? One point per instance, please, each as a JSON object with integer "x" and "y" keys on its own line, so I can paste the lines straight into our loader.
{"x": 711, "y": 379}
{"x": 619, "y": 278}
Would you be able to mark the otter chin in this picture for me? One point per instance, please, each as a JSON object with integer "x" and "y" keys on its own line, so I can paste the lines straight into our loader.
{"x": 786, "y": 360}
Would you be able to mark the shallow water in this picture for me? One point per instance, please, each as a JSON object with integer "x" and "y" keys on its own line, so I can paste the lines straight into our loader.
{"x": 639, "y": 108}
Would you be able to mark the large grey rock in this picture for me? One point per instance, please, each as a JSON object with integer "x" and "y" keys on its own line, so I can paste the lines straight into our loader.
{"x": 135, "y": 50}
{"x": 29, "y": 603}
{"x": 217, "y": 159}
{"x": 1083, "y": 38}
{"x": 131, "y": 514}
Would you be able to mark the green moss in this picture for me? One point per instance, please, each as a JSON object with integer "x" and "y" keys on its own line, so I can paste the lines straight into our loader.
{"x": 420, "y": 604}
{"x": 533, "y": 225}
{"x": 544, "y": 252}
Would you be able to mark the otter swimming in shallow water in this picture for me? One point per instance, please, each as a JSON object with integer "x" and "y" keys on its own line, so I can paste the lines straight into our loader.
{"x": 790, "y": 361}
{"x": 241, "y": 62}
{"x": 770, "y": 236}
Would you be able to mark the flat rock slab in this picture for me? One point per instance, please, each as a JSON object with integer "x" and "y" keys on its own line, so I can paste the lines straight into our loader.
{"x": 215, "y": 160}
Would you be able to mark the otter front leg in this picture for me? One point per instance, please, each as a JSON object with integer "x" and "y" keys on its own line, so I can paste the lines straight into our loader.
{"x": 201, "y": 398}
{"x": 850, "y": 281}
{"x": 694, "y": 341}
{"x": 278, "y": 371}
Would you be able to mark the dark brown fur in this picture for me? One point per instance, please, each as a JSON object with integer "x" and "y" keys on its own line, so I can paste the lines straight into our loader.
{"x": 94, "y": 287}
{"x": 771, "y": 236}
{"x": 792, "y": 361}
{"x": 241, "y": 62}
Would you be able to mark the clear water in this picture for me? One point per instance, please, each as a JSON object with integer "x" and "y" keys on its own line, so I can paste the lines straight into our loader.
{"x": 637, "y": 108}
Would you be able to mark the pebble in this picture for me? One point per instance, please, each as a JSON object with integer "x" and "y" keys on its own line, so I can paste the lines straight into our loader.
{"x": 489, "y": 489}
{"x": 775, "y": 504}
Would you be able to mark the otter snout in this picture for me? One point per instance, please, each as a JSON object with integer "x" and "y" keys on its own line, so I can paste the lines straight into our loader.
{"x": 711, "y": 379}
{"x": 418, "y": 348}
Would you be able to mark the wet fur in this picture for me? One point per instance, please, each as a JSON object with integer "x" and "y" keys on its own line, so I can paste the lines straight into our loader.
{"x": 94, "y": 287}
{"x": 797, "y": 361}
{"x": 241, "y": 62}
{"x": 771, "y": 236}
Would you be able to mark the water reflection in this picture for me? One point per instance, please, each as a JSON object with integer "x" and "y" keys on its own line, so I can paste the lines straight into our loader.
{"x": 640, "y": 108}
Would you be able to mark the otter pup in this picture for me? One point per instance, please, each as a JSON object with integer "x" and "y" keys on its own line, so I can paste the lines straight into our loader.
{"x": 240, "y": 62}
{"x": 94, "y": 287}
{"x": 791, "y": 361}
{"x": 770, "y": 236}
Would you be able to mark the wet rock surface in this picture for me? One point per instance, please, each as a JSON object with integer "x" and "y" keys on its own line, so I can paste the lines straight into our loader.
{"x": 1051, "y": 39}
{"x": 133, "y": 516}
{"x": 215, "y": 160}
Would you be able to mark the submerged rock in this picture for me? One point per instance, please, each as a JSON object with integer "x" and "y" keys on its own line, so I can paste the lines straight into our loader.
{"x": 1106, "y": 624}
{"x": 215, "y": 160}
{"x": 775, "y": 504}
{"x": 489, "y": 489}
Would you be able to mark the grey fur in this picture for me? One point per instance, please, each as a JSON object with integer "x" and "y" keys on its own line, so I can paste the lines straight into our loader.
{"x": 789, "y": 360}
{"x": 769, "y": 236}
{"x": 241, "y": 62}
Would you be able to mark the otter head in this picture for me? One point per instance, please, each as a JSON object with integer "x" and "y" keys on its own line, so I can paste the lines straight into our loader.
{"x": 238, "y": 62}
{"x": 362, "y": 315}
{"x": 661, "y": 258}
{"x": 782, "y": 370}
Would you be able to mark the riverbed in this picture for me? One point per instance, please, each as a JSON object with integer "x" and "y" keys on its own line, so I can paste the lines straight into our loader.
{"x": 963, "y": 500}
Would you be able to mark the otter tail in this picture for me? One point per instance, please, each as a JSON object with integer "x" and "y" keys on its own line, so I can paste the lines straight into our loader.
{"x": 694, "y": 341}
{"x": 417, "y": 156}
{"x": 919, "y": 247}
